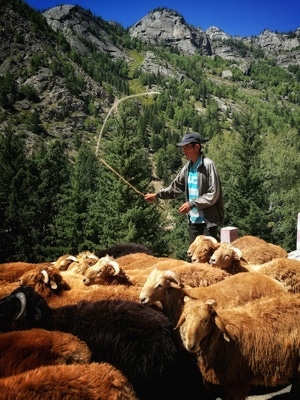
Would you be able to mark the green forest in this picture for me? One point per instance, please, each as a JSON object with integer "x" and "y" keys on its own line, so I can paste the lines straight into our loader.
{"x": 57, "y": 195}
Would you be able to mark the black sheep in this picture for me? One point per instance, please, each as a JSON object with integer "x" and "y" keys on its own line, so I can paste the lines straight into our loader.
{"x": 136, "y": 339}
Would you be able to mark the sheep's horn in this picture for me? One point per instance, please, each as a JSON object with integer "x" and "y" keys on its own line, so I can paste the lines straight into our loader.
{"x": 238, "y": 252}
{"x": 115, "y": 266}
{"x": 45, "y": 275}
{"x": 180, "y": 321}
{"x": 21, "y": 296}
{"x": 172, "y": 277}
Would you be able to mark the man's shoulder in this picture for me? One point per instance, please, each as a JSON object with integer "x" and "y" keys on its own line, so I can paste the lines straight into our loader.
{"x": 207, "y": 160}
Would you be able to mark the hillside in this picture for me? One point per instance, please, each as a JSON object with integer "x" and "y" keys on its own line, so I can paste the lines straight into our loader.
{"x": 61, "y": 72}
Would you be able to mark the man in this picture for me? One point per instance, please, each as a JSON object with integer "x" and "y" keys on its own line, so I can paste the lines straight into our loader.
{"x": 200, "y": 182}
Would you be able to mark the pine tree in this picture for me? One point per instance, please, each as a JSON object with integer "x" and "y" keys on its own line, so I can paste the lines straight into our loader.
{"x": 119, "y": 208}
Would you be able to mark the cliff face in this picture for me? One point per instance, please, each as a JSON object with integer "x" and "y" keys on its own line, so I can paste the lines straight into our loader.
{"x": 170, "y": 29}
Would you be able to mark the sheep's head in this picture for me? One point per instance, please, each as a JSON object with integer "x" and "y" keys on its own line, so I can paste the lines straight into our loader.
{"x": 106, "y": 271}
{"x": 42, "y": 278}
{"x": 194, "y": 244}
{"x": 156, "y": 285}
{"x": 205, "y": 249}
{"x": 195, "y": 322}
{"x": 226, "y": 256}
{"x": 64, "y": 261}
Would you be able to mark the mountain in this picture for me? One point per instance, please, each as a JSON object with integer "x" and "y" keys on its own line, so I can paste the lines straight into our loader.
{"x": 67, "y": 61}
{"x": 168, "y": 28}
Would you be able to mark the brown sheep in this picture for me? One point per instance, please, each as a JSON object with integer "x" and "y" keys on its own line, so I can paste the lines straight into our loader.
{"x": 229, "y": 258}
{"x": 253, "y": 344}
{"x": 137, "y": 260}
{"x": 95, "y": 381}
{"x": 51, "y": 284}
{"x": 82, "y": 262}
{"x": 139, "y": 266}
{"x": 258, "y": 251}
{"x": 106, "y": 271}
{"x": 165, "y": 287}
{"x": 284, "y": 270}
{"x": 237, "y": 289}
{"x": 202, "y": 248}
{"x": 199, "y": 274}
{"x": 44, "y": 280}
{"x": 11, "y": 272}
{"x": 7, "y": 287}
{"x": 63, "y": 262}
{"x": 21, "y": 351}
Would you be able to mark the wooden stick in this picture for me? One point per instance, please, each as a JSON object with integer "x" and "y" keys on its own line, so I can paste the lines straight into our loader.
{"x": 124, "y": 180}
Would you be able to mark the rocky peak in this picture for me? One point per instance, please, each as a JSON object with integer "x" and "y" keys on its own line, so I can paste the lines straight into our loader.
{"x": 76, "y": 23}
{"x": 167, "y": 27}
{"x": 170, "y": 29}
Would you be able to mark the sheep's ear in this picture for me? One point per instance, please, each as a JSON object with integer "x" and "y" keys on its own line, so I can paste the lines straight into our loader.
{"x": 53, "y": 284}
{"x": 211, "y": 304}
{"x": 219, "y": 323}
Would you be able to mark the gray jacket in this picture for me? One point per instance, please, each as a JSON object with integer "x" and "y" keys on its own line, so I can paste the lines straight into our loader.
{"x": 210, "y": 199}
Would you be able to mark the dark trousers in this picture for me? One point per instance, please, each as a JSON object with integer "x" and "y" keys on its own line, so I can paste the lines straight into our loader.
{"x": 201, "y": 229}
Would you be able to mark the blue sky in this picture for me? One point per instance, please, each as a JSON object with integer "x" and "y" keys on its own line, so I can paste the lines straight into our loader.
{"x": 235, "y": 17}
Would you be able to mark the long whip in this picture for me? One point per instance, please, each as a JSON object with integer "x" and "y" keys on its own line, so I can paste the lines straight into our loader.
{"x": 100, "y": 135}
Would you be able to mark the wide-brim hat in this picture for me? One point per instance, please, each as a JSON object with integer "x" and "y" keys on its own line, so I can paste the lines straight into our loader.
{"x": 190, "y": 138}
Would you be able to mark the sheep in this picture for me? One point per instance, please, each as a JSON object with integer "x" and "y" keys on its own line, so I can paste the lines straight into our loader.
{"x": 44, "y": 279}
{"x": 229, "y": 258}
{"x": 106, "y": 271}
{"x": 82, "y": 262}
{"x": 257, "y": 251}
{"x": 134, "y": 338}
{"x": 24, "y": 350}
{"x": 253, "y": 344}
{"x": 199, "y": 274}
{"x": 137, "y": 261}
{"x": 238, "y": 289}
{"x": 159, "y": 287}
{"x": 7, "y": 287}
{"x": 50, "y": 284}
{"x": 165, "y": 287}
{"x": 95, "y": 381}
{"x": 64, "y": 261}
{"x": 10, "y": 272}
{"x": 135, "y": 268}
{"x": 284, "y": 270}
{"x": 202, "y": 248}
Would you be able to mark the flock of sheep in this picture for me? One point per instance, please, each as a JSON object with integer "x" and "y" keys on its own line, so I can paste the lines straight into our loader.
{"x": 126, "y": 325}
